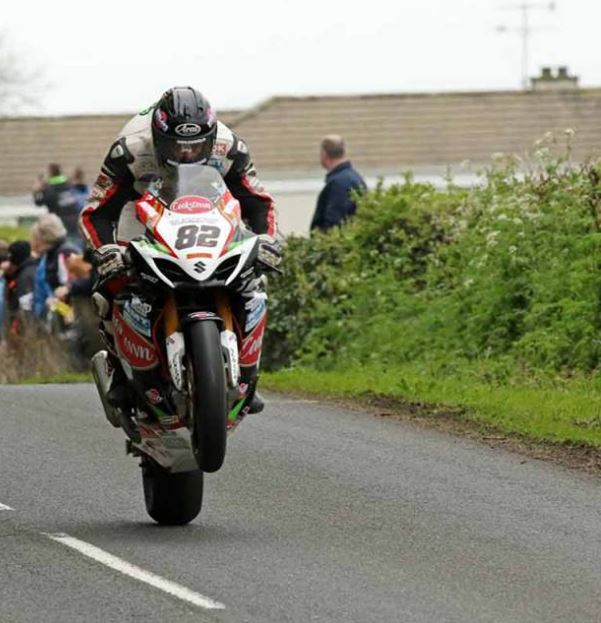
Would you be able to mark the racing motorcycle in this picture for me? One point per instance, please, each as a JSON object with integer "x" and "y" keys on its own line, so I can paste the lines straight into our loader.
{"x": 176, "y": 336}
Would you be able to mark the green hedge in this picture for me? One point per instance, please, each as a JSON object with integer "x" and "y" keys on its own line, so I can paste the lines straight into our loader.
{"x": 505, "y": 274}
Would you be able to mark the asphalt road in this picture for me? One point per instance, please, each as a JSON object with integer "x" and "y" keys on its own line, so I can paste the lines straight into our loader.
{"x": 319, "y": 514}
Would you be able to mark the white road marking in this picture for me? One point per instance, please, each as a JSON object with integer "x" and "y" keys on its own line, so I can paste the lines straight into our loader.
{"x": 3, "y": 507}
{"x": 177, "y": 590}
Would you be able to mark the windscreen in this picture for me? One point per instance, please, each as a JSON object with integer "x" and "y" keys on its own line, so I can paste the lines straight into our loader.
{"x": 191, "y": 179}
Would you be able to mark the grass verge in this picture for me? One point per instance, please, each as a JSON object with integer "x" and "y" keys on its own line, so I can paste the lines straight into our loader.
{"x": 10, "y": 233}
{"x": 63, "y": 377}
{"x": 566, "y": 412}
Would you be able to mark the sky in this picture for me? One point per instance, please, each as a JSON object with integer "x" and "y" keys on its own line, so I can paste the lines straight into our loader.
{"x": 120, "y": 56}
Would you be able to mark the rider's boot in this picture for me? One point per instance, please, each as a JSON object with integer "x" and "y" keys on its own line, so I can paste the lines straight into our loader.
{"x": 256, "y": 405}
{"x": 250, "y": 377}
{"x": 254, "y": 319}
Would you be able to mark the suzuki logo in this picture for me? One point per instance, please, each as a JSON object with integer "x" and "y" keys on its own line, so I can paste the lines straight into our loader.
{"x": 188, "y": 129}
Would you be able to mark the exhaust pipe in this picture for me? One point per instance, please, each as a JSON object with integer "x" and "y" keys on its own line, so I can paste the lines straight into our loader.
{"x": 102, "y": 372}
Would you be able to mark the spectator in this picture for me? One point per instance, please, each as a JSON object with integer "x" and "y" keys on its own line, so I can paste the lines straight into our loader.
{"x": 41, "y": 289}
{"x": 335, "y": 204}
{"x": 58, "y": 195}
{"x": 49, "y": 237}
{"x": 3, "y": 259}
{"x": 81, "y": 189}
{"x": 86, "y": 337}
{"x": 20, "y": 271}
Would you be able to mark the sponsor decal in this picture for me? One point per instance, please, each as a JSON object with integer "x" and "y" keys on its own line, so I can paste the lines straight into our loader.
{"x": 255, "y": 315}
{"x": 139, "y": 306}
{"x": 175, "y": 353}
{"x": 230, "y": 344}
{"x": 104, "y": 181}
{"x": 98, "y": 194}
{"x": 256, "y": 298}
{"x": 138, "y": 352}
{"x": 191, "y": 204}
{"x": 255, "y": 184}
{"x": 160, "y": 120}
{"x": 146, "y": 214}
{"x": 230, "y": 206}
{"x": 251, "y": 346}
{"x": 154, "y": 396}
{"x": 174, "y": 443}
{"x": 149, "y": 278}
{"x": 219, "y": 149}
{"x": 147, "y": 431}
{"x": 188, "y": 129}
{"x": 201, "y": 315}
{"x": 117, "y": 152}
{"x": 217, "y": 163}
{"x": 137, "y": 320}
{"x": 244, "y": 275}
{"x": 199, "y": 267}
{"x": 242, "y": 148}
{"x": 179, "y": 219}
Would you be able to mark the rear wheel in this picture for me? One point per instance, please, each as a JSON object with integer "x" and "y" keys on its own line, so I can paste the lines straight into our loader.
{"x": 207, "y": 395}
{"x": 171, "y": 499}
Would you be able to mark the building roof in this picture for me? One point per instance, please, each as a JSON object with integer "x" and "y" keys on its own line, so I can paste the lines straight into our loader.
{"x": 384, "y": 133}
{"x": 28, "y": 144}
{"x": 389, "y": 133}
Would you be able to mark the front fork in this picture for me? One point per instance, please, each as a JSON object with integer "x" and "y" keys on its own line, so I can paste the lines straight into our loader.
{"x": 176, "y": 347}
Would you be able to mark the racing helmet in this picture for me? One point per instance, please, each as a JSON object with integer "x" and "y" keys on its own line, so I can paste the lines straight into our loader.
{"x": 184, "y": 127}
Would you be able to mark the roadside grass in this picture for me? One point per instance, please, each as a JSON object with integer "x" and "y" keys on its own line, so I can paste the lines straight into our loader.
{"x": 37, "y": 358}
{"x": 558, "y": 411}
{"x": 64, "y": 377}
{"x": 10, "y": 233}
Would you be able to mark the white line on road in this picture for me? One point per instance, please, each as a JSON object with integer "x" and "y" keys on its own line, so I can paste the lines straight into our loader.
{"x": 177, "y": 590}
{"x": 3, "y": 507}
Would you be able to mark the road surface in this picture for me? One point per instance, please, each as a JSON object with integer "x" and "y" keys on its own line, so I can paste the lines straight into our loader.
{"x": 319, "y": 514}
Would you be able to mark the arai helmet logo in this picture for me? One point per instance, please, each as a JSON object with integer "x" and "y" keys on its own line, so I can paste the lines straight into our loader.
{"x": 188, "y": 129}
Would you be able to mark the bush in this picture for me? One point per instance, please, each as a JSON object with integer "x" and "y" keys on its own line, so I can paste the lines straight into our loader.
{"x": 505, "y": 272}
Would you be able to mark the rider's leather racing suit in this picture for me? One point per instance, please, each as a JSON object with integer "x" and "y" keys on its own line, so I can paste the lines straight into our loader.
{"x": 126, "y": 173}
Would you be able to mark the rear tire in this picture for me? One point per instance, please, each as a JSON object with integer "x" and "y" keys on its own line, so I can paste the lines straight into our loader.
{"x": 171, "y": 499}
{"x": 208, "y": 398}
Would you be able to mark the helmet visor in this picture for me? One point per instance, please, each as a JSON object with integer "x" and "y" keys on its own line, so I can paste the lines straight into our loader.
{"x": 180, "y": 151}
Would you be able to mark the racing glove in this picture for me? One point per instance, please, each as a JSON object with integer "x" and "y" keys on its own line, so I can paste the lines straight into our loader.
{"x": 109, "y": 261}
{"x": 270, "y": 252}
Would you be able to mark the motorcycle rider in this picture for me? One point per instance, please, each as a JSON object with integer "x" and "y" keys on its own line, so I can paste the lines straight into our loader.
{"x": 181, "y": 128}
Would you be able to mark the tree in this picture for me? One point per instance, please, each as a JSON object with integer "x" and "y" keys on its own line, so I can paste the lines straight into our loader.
{"x": 19, "y": 85}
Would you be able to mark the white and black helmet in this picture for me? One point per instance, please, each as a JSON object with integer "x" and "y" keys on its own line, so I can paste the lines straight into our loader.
{"x": 184, "y": 126}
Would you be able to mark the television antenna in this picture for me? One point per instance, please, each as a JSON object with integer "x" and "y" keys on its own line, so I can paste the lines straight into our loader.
{"x": 525, "y": 30}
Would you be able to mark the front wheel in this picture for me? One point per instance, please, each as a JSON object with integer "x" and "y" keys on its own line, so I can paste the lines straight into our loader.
{"x": 207, "y": 399}
{"x": 171, "y": 499}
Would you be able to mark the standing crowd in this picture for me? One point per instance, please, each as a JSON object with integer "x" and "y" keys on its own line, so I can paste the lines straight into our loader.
{"x": 46, "y": 280}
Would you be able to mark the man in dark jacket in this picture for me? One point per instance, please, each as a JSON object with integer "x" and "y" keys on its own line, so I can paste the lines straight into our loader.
{"x": 335, "y": 204}
{"x": 20, "y": 273}
{"x": 60, "y": 198}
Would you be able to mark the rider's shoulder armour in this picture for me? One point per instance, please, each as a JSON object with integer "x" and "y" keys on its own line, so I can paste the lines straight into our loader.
{"x": 224, "y": 142}
{"x": 136, "y": 136}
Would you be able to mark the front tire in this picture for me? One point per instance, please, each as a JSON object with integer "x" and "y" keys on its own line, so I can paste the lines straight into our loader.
{"x": 207, "y": 395}
{"x": 171, "y": 499}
